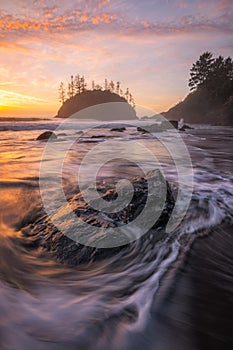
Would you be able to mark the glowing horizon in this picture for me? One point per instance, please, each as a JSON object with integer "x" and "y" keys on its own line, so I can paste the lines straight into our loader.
{"x": 149, "y": 46}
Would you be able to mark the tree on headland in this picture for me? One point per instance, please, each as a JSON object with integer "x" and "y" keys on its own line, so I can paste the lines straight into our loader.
{"x": 215, "y": 75}
{"x": 201, "y": 70}
{"x": 220, "y": 81}
{"x": 211, "y": 96}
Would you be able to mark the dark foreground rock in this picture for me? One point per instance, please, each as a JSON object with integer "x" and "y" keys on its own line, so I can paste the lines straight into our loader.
{"x": 43, "y": 234}
{"x": 47, "y": 135}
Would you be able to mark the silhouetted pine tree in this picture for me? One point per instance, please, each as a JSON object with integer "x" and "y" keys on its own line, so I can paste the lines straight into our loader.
{"x": 69, "y": 93}
{"x": 127, "y": 95}
{"x": 77, "y": 84}
{"x": 106, "y": 86}
{"x": 83, "y": 85}
{"x": 215, "y": 75}
{"x": 98, "y": 87}
{"x": 200, "y": 70}
{"x": 111, "y": 86}
{"x": 62, "y": 93}
{"x": 72, "y": 87}
{"x": 118, "y": 87}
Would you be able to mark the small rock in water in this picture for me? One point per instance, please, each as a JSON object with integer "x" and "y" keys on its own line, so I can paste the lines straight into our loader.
{"x": 174, "y": 123}
{"x": 98, "y": 136}
{"x": 62, "y": 134}
{"x": 47, "y": 135}
{"x": 185, "y": 127}
{"x": 118, "y": 129}
{"x": 144, "y": 131}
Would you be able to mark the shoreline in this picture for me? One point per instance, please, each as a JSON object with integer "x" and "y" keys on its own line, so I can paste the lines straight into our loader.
{"x": 23, "y": 119}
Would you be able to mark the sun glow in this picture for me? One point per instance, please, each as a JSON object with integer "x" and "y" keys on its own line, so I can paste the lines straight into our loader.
{"x": 17, "y": 104}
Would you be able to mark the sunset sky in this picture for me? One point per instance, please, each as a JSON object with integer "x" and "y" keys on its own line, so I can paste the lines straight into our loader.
{"x": 148, "y": 45}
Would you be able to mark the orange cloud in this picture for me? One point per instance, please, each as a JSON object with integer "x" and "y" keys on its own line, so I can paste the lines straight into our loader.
{"x": 103, "y": 18}
{"x": 74, "y": 20}
{"x": 66, "y": 22}
{"x": 103, "y": 3}
{"x": 84, "y": 18}
{"x": 145, "y": 24}
{"x": 9, "y": 24}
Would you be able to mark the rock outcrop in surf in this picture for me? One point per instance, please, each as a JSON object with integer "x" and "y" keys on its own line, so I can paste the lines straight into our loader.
{"x": 43, "y": 234}
{"x": 91, "y": 98}
{"x": 77, "y": 96}
{"x": 47, "y": 135}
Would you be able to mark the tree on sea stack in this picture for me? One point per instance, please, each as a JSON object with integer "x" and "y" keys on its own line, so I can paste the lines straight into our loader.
{"x": 62, "y": 93}
{"x": 78, "y": 97}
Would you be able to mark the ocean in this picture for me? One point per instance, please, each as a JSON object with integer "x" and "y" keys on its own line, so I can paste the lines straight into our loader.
{"x": 171, "y": 293}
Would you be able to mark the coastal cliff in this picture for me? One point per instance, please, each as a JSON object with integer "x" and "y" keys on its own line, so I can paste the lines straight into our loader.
{"x": 199, "y": 107}
{"x": 211, "y": 98}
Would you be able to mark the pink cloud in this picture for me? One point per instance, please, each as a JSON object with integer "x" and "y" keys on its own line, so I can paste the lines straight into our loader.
{"x": 103, "y": 18}
{"x": 225, "y": 5}
{"x": 75, "y": 20}
{"x": 103, "y": 3}
{"x": 145, "y": 24}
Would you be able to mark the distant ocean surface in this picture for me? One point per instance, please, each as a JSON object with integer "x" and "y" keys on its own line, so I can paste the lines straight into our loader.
{"x": 179, "y": 298}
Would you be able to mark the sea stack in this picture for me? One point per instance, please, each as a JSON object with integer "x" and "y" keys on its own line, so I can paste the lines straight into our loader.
{"x": 118, "y": 107}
